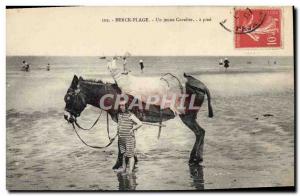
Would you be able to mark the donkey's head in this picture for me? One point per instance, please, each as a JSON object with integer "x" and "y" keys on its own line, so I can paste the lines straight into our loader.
{"x": 75, "y": 101}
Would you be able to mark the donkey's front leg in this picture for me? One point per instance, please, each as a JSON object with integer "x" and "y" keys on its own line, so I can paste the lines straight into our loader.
{"x": 118, "y": 163}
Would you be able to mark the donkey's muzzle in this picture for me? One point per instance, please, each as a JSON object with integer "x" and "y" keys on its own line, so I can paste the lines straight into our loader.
{"x": 68, "y": 117}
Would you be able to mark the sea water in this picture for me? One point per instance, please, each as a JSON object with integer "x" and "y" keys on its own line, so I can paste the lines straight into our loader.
{"x": 42, "y": 89}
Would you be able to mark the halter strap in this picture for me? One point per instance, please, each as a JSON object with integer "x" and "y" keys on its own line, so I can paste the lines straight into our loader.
{"x": 87, "y": 129}
{"x": 111, "y": 140}
{"x": 91, "y": 146}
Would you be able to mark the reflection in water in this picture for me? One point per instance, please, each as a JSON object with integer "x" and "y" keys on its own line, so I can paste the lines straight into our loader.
{"x": 127, "y": 181}
{"x": 196, "y": 172}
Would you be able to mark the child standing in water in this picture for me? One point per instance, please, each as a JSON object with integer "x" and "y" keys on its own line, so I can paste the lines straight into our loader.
{"x": 127, "y": 124}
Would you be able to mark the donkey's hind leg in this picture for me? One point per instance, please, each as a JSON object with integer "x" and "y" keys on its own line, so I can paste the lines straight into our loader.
{"x": 189, "y": 120}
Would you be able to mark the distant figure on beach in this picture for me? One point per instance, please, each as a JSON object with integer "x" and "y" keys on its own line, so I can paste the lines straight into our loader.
{"x": 112, "y": 62}
{"x": 48, "y": 67}
{"x": 221, "y": 62}
{"x": 25, "y": 66}
{"x": 124, "y": 64}
{"x": 142, "y": 65}
{"x": 226, "y": 63}
{"x": 115, "y": 61}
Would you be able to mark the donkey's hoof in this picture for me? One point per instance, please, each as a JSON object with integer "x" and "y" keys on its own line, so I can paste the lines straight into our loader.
{"x": 116, "y": 166}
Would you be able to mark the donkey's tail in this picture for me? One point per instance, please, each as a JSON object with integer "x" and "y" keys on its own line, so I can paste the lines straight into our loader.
{"x": 197, "y": 86}
{"x": 210, "y": 110}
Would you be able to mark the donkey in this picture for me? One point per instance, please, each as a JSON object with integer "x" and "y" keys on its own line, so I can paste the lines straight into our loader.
{"x": 82, "y": 92}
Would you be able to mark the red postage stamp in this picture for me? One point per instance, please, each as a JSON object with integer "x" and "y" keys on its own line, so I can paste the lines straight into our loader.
{"x": 257, "y": 28}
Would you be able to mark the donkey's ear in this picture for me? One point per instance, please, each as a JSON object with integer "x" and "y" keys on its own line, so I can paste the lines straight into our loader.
{"x": 74, "y": 82}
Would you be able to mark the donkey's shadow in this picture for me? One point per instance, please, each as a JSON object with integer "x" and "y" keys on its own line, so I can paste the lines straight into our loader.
{"x": 129, "y": 182}
{"x": 196, "y": 172}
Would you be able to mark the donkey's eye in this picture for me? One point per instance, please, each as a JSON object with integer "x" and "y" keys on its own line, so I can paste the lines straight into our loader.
{"x": 67, "y": 98}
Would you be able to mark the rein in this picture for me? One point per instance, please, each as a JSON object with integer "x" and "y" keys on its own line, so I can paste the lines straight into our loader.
{"x": 111, "y": 140}
{"x": 87, "y": 129}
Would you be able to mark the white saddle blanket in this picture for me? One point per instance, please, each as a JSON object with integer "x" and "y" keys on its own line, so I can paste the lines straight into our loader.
{"x": 167, "y": 88}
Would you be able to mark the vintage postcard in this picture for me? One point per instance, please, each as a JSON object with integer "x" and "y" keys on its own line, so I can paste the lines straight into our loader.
{"x": 149, "y": 98}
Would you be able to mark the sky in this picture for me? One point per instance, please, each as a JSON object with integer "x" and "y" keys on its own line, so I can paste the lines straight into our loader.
{"x": 80, "y": 31}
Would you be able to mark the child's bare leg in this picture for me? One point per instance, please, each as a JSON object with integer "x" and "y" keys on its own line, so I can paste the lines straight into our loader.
{"x": 123, "y": 167}
{"x": 124, "y": 163}
{"x": 131, "y": 165}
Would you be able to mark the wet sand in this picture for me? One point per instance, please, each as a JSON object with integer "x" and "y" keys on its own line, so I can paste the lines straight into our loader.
{"x": 243, "y": 148}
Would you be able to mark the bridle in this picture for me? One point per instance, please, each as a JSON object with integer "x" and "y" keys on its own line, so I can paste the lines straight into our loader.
{"x": 75, "y": 95}
{"x": 75, "y": 124}
{"x": 111, "y": 140}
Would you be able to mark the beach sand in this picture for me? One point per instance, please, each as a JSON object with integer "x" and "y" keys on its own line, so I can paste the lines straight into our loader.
{"x": 243, "y": 146}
